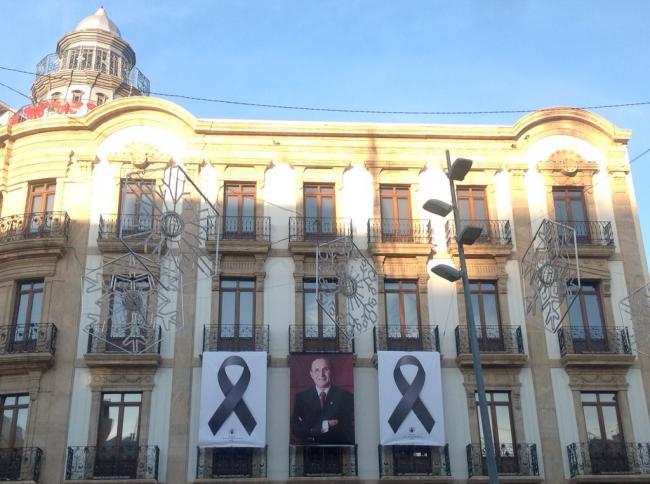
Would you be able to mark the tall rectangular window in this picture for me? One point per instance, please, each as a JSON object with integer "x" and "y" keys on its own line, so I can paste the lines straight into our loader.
{"x": 503, "y": 430}
{"x": 239, "y": 202}
{"x": 136, "y": 206}
{"x": 40, "y": 200}
{"x": 129, "y": 307}
{"x": 472, "y": 204}
{"x": 396, "y": 222}
{"x": 13, "y": 424}
{"x": 586, "y": 319}
{"x": 236, "y": 310}
{"x": 118, "y": 435}
{"x": 487, "y": 318}
{"x": 319, "y": 329}
{"x": 414, "y": 460}
{"x": 319, "y": 210}
{"x": 27, "y": 315}
{"x": 569, "y": 204}
{"x": 402, "y": 314}
{"x": 605, "y": 437}
{"x": 232, "y": 462}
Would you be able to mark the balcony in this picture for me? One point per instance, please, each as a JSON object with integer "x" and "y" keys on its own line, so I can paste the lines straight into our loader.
{"x": 139, "y": 228}
{"x": 396, "y": 338}
{"x": 108, "y": 348}
{"x": 228, "y": 337}
{"x": 325, "y": 461}
{"x": 594, "y": 239}
{"x": 35, "y": 234}
{"x": 128, "y": 462}
{"x": 495, "y": 239}
{"x": 131, "y": 76}
{"x": 609, "y": 461}
{"x": 307, "y": 232}
{"x": 420, "y": 462}
{"x": 515, "y": 463}
{"x": 603, "y": 346}
{"x": 400, "y": 237}
{"x": 239, "y": 234}
{"x": 499, "y": 346}
{"x": 25, "y": 348}
{"x": 20, "y": 464}
{"x": 233, "y": 463}
{"x": 319, "y": 339}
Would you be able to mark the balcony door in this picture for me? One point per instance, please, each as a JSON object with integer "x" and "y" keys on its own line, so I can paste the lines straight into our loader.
{"x": 570, "y": 209}
{"x": 239, "y": 202}
{"x": 136, "y": 207}
{"x": 607, "y": 450}
{"x": 232, "y": 462}
{"x": 412, "y": 460}
{"x": 118, "y": 436}
{"x": 473, "y": 208}
{"x": 396, "y": 223}
{"x": 402, "y": 316}
{"x": 503, "y": 432}
{"x": 236, "y": 314}
{"x": 487, "y": 317}
{"x": 322, "y": 461}
{"x": 27, "y": 316}
{"x": 320, "y": 219}
{"x": 13, "y": 433}
{"x": 40, "y": 204}
{"x": 128, "y": 321}
{"x": 320, "y": 331}
{"x": 586, "y": 320}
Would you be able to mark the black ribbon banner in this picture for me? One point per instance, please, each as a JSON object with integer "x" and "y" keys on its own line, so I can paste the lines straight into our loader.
{"x": 233, "y": 401}
{"x": 410, "y": 395}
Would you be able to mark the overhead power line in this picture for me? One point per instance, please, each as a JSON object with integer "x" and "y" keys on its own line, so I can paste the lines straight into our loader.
{"x": 355, "y": 111}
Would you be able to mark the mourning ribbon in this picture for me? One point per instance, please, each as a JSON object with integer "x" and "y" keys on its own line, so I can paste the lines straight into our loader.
{"x": 410, "y": 395}
{"x": 233, "y": 401}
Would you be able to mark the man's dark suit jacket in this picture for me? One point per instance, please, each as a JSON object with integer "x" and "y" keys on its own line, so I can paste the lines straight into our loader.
{"x": 307, "y": 418}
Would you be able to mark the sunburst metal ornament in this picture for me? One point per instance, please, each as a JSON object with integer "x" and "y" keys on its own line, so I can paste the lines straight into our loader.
{"x": 551, "y": 274}
{"x": 637, "y": 304}
{"x": 342, "y": 270}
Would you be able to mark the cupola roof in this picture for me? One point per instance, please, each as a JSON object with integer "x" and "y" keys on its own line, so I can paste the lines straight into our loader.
{"x": 98, "y": 21}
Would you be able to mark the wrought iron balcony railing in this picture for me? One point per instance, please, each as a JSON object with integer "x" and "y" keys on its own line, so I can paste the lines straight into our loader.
{"x": 591, "y": 233}
{"x": 20, "y": 464}
{"x": 491, "y": 339}
{"x": 317, "y": 229}
{"x": 230, "y": 337}
{"x": 231, "y": 463}
{"x": 399, "y": 231}
{"x": 130, "y": 224}
{"x": 32, "y": 338}
{"x": 129, "y": 75}
{"x": 36, "y": 225}
{"x": 104, "y": 339}
{"x": 608, "y": 457}
{"x": 323, "y": 461}
{"x": 518, "y": 460}
{"x": 112, "y": 462}
{"x": 497, "y": 232}
{"x": 412, "y": 460}
{"x": 325, "y": 338}
{"x": 396, "y": 338}
{"x": 610, "y": 340}
{"x": 240, "y": 228}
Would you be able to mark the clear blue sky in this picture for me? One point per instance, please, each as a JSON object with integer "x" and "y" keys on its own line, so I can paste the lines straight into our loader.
{"x": 421, "y": 55}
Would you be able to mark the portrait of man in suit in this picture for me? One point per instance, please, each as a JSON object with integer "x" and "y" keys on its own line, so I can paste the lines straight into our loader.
{"x": 324, "y": 413}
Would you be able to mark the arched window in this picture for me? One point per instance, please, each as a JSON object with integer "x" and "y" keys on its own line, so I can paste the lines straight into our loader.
{"x": 77, "y": 96}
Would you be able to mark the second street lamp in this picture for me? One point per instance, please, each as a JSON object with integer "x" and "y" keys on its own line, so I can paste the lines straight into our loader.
{"x": 468, "y": 235}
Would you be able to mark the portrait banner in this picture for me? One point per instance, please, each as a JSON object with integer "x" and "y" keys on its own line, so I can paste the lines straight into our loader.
{"x": 233, "y": 399}
{"x": 410, "y": 398}
{"x": 321, "y": 399}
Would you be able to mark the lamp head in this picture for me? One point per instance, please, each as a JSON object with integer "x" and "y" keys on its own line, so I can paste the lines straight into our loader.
{"x": 469, "y": 234}
{"x": 437, "y": 207}
{"x": 459, "y": 168}
{"x": 447, "y": 272}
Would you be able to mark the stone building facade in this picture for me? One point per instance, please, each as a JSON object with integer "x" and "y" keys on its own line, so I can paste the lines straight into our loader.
{"x": 569, "y": 407}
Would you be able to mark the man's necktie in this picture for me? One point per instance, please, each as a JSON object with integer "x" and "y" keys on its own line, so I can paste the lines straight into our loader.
{"x": 322, "y": 400}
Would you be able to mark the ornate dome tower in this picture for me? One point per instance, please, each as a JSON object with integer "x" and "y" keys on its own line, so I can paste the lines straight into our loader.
{"x": 91, "y": 66}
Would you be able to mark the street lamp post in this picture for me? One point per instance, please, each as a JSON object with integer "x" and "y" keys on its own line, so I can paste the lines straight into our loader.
{"x": 467, "y": 235}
